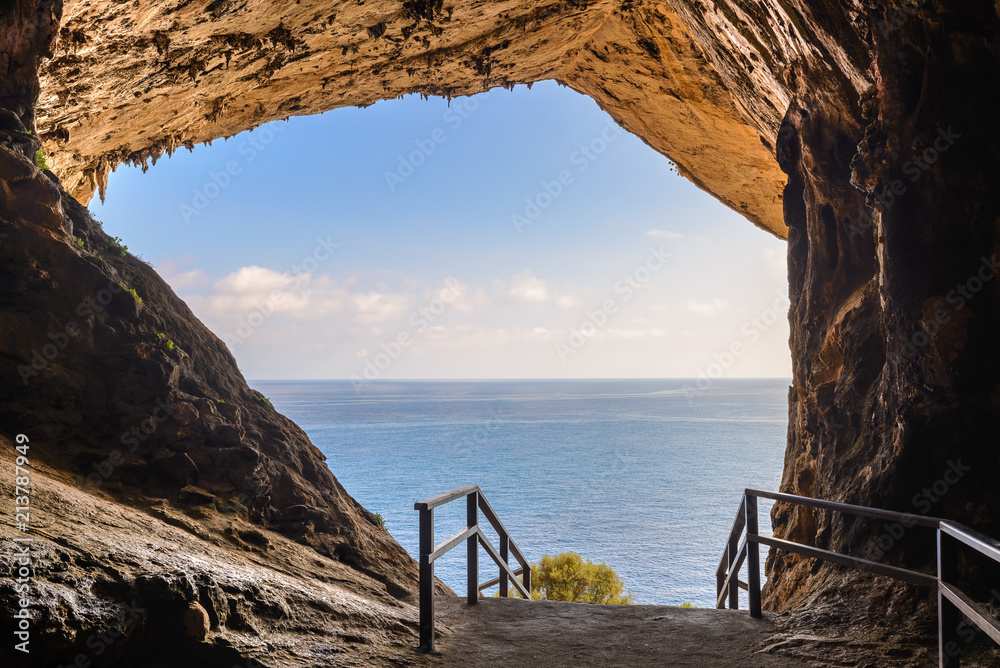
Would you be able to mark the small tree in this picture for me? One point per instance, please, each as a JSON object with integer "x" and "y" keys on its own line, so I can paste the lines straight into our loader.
{"x": 570, "y": 577}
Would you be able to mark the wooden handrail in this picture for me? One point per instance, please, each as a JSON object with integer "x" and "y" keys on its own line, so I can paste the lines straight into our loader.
{"x": 441, "y": 499}
{"x": 495, "y": 581}
{"x": 972, "y": 538}
{"x": 744, "y": 541}
{"x": 473, "y": 537}
{"x": 738, "y": 524}
{"x": 734, "y": 572}
{"x": 454, "y": 541}
{"x": 498, "y": 526}
{"x": 504, "y": 567}
{"x": 913, "y": 577}
{"x": 861, "y": 511}
{"x": 970, "y": 609}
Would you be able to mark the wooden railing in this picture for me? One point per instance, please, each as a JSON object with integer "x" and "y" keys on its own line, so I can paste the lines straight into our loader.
{"x": 473, "y": 537}
{"x": 745, "y": 541}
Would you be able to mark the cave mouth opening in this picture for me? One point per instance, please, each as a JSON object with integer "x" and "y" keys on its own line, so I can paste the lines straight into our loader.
{"x": 515, "y": 234}
{"x": 507, "y": 225}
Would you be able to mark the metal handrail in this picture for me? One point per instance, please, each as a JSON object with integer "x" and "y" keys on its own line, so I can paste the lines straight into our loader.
{"x": 472, "y": 536}
{"x": 744, "y": 544}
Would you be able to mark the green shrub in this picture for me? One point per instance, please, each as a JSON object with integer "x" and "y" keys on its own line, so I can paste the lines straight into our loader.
{"x": 40, "y": 160}
{"x": 122, "y": 248}
{"x": 79, "y": 241}
{"x": 570, "y": 577}
{"x": 169, "y": 344}
{"x": 132, "y": 292}
{"x": 381, "y": 521}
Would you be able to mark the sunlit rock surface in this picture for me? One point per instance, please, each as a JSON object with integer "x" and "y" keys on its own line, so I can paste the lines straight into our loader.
{"x": 128, "y": 84}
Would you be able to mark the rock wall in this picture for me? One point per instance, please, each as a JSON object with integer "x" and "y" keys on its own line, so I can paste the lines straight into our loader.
{"x": 892, "y": 264}
{"x": 172, "y": 486}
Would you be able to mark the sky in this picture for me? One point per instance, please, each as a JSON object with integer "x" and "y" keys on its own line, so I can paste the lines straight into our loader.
{"x": 513, "y": 234}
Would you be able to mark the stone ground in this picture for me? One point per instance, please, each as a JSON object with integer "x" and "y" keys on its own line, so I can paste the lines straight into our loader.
{"x": 546, "y": 634}
{"x": 516, "y": 633}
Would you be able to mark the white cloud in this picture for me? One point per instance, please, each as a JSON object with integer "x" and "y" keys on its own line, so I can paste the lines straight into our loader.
{"x": 328, "y": 324}
{"x": 527, "y": 288}
{"x": 458, "y": 294}
{"x": 195, "y": 278}
{"x": 170, "y": 269}
{"x": 648, "y": 332}
{"x": 256, "y": 280}
{"x": 372, "y": 307}
{"x": 775, "y": 259}
{"x": 274, "y": 302}
{"x": 568, "y": 300}
{"x": 713, "y": 307}
{"x": 664, "y": 234}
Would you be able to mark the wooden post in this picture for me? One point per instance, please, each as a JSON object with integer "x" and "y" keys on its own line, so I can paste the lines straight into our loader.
{"x": 753, "y": 557}
{"x": 526, "y": 580}
{"x": 472, "y": 519}
{"x": 504, "y": 551}
{"x": 734, "y": 581}
{"x": 949, "y": 617}
{"x": 720, "y": 578}
{"x": 426, "y": 580}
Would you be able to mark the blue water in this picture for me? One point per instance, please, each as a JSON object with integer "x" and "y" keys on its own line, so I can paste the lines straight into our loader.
{"x": 639, "y": 474}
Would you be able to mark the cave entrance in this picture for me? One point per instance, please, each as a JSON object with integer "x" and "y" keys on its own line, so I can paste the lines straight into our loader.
{"x": 511, "y": 235}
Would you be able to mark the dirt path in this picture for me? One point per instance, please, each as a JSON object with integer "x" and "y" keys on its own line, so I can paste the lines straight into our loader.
{"x": 546, "y": 634}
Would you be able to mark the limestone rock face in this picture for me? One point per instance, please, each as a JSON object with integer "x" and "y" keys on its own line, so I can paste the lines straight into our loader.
{"x": 127, "y": 84}
{"x": 893, "y": 240}
{"x": 109, "y": 369}
{"x": 128, "y": 400}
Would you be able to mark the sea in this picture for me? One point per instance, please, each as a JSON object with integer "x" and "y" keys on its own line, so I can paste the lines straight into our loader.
{"x": 643, "y": 475}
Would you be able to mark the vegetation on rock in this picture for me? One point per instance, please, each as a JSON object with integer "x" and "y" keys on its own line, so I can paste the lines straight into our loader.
{"x": 570, "y": 577}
